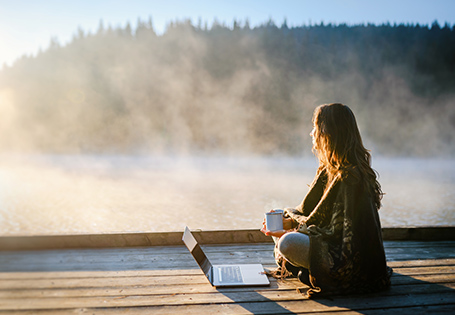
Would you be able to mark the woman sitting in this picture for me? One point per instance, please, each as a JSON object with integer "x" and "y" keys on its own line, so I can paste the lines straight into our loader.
{"x": 333, "y": 241}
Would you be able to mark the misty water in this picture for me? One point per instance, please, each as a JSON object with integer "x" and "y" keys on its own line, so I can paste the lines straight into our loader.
{"x": 99, "y": 194}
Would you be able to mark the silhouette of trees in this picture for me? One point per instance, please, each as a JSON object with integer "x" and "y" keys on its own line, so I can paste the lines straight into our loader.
{"x": 234, "y": 89}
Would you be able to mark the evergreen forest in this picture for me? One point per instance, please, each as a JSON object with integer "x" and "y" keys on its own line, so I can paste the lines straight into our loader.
{"x": 231, "y": 89}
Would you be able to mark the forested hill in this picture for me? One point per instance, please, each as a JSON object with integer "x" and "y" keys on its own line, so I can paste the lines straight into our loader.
{"x": 232, "y": 89}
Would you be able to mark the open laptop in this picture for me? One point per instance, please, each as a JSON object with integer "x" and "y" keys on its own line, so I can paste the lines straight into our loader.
{"x": 225, "y": 275}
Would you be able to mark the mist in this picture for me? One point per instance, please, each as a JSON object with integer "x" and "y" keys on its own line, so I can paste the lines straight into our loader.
{"x": 73, "y": 194}
{"x": 127, "y": 130}
{"x": 231, "y": 90}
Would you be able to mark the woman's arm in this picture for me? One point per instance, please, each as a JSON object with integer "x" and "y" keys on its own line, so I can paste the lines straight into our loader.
{"x": 295, "y": 214}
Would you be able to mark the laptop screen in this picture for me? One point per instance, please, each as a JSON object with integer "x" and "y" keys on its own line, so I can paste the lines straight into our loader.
{"x": 196, "y": 251}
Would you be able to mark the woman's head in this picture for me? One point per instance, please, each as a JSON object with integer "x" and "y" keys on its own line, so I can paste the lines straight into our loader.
{"x": 336, "y": 137}
{"x": 338, "y": 144}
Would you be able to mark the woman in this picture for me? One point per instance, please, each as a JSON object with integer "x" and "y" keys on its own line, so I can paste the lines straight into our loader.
{"x": 332, "y": 241}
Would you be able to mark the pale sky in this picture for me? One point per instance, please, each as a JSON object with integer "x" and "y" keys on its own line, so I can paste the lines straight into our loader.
{"x": 28, "y": 25}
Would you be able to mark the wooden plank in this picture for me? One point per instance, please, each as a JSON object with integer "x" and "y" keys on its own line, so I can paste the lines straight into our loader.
{"x": 96, "y": 274}
{"x": 126, "y": 253}
{"x": 411, "y": 310}
{"x": 188, "y": 263}
{"x": 69, "y": 256}
{"x": 10, "y": 259}
{"x": 169, "y": 281}
{"x": 427, "y": 233}
{"x": 412, "y": 267}
{"x": 160, "y": 250}
{"x": 432, "y": 309}
{"x": 177, "y": 257}
{"x": 103, "y": 282}
{"x": 424, "y": 262}
{"x": 29, "y": 242}
{"x": 418, "y": 279}
{"x": 128, "y": 239}
{"x": 390, "y": 246}
{"x": 131, "y": 290}
{"x": 286, "y": 288}
{"x": 233, "y": 302}
{"x": 436, "y": 309}
{"x": 427, "y": 270}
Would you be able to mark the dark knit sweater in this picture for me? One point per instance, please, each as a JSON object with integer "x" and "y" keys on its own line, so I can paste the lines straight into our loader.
{"x": 346, "y": 249}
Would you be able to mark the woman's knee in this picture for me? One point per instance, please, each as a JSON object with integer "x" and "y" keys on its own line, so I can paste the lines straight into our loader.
{"x": 284, "y": 245}
{"x": 291, "y": 242}
{"x": 294, "y": 247}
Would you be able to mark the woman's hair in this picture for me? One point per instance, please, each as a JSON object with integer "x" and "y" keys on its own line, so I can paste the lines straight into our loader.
{"x": 339, "y": 148}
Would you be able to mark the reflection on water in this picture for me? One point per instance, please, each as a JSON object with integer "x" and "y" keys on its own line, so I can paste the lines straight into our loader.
{"x": 93, "y": 194}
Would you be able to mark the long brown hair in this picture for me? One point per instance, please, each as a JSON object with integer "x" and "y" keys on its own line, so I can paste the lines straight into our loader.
{"x": 339, "y": 147}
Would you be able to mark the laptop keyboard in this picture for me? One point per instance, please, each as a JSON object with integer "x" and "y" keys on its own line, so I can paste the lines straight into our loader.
{"x": 230, "y": 274}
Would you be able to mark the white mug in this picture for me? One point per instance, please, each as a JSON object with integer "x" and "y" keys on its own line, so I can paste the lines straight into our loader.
{"x": 274, "y": 220}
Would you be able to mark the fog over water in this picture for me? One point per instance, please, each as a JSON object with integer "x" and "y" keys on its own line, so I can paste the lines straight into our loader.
{"x": 126, "y": 130}
{"x": 96, "y": 194}
{"x": 231, "y": 89}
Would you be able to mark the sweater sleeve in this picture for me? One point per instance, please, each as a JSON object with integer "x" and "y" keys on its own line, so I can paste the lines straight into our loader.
{"x": 300, "y": 213}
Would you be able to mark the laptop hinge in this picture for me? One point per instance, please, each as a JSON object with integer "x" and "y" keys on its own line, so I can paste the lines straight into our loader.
{"x": 210, "y": 275}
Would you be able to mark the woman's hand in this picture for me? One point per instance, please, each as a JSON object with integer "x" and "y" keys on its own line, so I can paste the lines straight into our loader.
{"x": 278, "y": 234}
{"x": 287, "y": 225}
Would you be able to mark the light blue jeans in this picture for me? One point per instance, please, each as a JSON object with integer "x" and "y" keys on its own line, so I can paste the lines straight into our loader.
{"x": 295, "y": 248}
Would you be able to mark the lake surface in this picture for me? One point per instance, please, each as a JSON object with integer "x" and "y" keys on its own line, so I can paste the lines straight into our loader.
{"x": 99, "y": 194}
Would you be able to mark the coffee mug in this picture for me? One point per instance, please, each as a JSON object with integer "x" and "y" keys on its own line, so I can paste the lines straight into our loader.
{"x": 274, "y": 220}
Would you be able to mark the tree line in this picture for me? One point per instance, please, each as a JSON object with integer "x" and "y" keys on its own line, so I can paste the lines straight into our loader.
{"x": 232, "y": 89}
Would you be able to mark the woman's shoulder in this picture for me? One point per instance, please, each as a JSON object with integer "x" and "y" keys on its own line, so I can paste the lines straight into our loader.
{"x": 352, "y": 176}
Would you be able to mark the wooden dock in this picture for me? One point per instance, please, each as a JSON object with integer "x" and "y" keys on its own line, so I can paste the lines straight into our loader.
{"x": 166, "y": 280}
